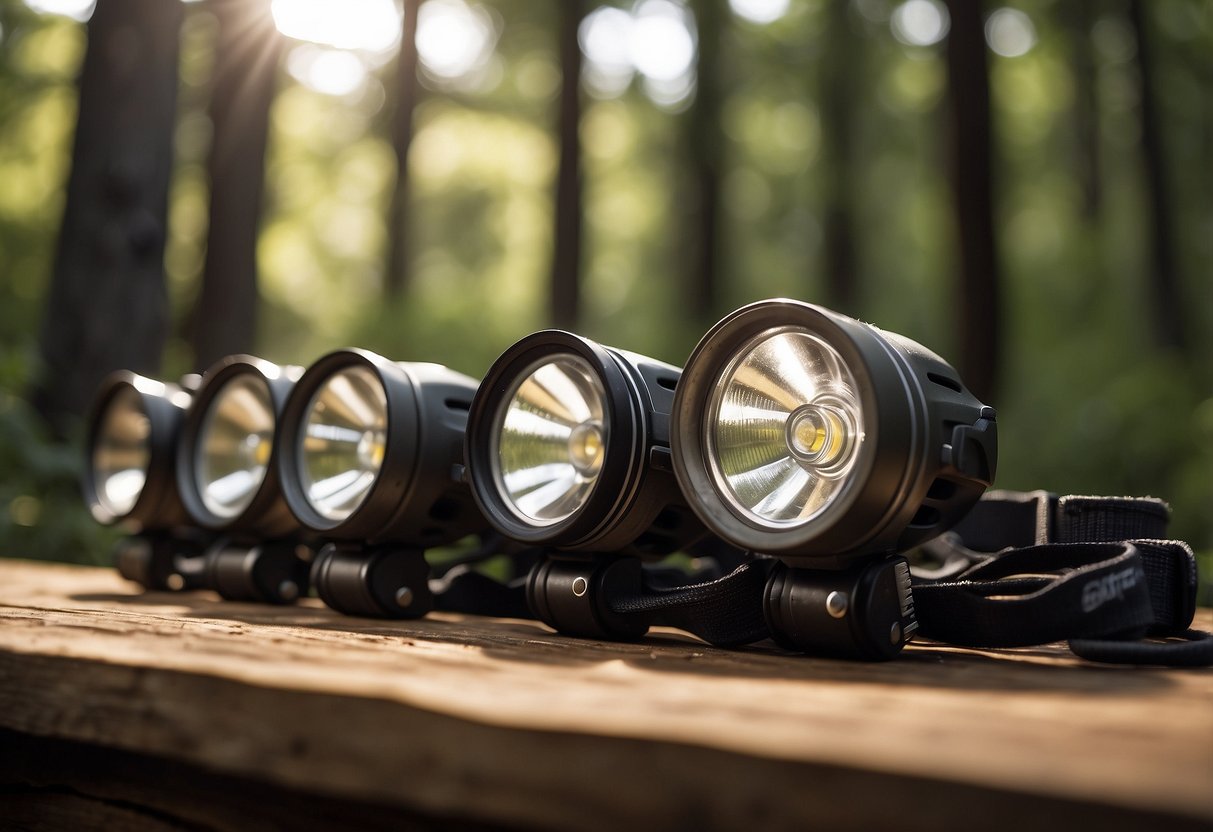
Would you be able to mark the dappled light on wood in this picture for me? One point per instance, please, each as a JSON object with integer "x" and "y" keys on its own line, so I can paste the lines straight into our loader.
{"x": 505, "y": 719}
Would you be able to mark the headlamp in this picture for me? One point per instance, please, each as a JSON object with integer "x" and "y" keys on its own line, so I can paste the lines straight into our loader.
{"x": 132, "y": 438}
{"x": 832, "y": 445}
{"x": 550, "y": 437}
{"x": 568, "y": 450}
{"x": 568, "y": 444}
{"x": 370, "y": 457}
{"x": 133, "y": 430}
{"x": 229, "y": 484}
{"x": 225, "y": 465}
{"x": 345, "y": 442}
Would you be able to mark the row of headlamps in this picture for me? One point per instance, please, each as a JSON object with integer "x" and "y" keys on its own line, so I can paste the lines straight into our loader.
{"x": 794, "y": 432}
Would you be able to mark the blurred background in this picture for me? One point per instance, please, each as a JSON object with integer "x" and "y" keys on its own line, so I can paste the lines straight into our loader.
{"x": 1025, "y": 188}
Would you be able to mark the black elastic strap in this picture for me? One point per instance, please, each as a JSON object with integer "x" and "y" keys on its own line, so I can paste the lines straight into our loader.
{"x": 1040, "y": 594}
{"x": 1030, "y": 568}
{"x": 1080, "y": 519}
{"x": 1016, "y": 519}
{"x": 1170, "y": 567}
{"x": 722, "y": 610}
{"x": 1191, "y": 648}
{"x": 463, "y": 589}
{"x": 725, "y": 612}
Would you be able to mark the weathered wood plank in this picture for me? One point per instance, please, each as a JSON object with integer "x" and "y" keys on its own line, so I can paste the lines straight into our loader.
{"x": 35, "y": 811}
{"x": 61, "y": 785}
{"x": 504, "y": 722}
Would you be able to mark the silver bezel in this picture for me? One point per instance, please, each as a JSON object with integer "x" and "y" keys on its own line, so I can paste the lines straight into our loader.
{"x": 838, "y": 470}
{"x": 499, "y": 422}
{"x": 107, "y": 506}
{"x": 305, "y": 480}
{"x": 250, "y": 380}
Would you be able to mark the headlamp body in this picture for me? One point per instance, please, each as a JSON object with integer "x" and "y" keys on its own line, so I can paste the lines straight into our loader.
{"x": 161, "y": 408}
{"x": 133, "y": 431}
{"x": 926, "y": 447}
{"x": 262, "y": 512}
{"x": 633, "y": 504}
{"x": 415, "y": 498}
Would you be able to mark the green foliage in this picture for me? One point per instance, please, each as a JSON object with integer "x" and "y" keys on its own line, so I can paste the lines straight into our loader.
{"x": 38, "y": 61}
{"x": 41, "y": 513}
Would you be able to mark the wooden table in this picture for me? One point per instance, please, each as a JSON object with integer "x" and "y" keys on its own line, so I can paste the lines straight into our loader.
{"x": 181, "y": 711}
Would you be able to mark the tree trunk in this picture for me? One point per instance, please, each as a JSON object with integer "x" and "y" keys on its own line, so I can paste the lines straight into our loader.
{"x": 838, "y": 92}
{"x": 1079, "y": 17}
{"x": 566, "y": 259}
{"x": 396, "y": 277}
{"x": 703, "y": 142}
{"x": 1163, "y": 289}
{"x": 248, "y": 50}
{"x": 972, "y": 175}
{"x": 107, "y": 307}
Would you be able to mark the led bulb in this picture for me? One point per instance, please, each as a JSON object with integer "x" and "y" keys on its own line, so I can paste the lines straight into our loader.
{"x": 550, "y": 440}
{"x": 121, "y": 453}
{"x": 234, "y": 444}
{"x": 344, "y": 441}
{"x": 783, "y": 427}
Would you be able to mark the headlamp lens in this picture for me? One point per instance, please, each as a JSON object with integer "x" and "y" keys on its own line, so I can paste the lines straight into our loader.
{"x": 234, "y": 443}
{"x": 344, "y": 442}
{"x": 783, "y": 427}
{"x": 121, "y": 453}
{"x": 550, "y": 437}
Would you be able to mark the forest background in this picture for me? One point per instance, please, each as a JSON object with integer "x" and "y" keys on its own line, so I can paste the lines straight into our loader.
{"x": 1025, "y": 188}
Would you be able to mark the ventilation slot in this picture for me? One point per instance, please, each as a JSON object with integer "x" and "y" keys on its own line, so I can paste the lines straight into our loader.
{"x": 941, "y": 490}
{"x": 458, "y": 404}
{"x": 944, "y": 381}
{"x": 668, "y": 382}
{"x": 926, "y": 517}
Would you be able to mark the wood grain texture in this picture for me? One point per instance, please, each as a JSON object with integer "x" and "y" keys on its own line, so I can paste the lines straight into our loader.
{"x": 503, "y": 722}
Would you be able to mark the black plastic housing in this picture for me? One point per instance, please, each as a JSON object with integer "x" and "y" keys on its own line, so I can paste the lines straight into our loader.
{"x": 418, "y": 498}
{"x": 267, "y": 515}
{"x": 376, "y": 582}
{"x": 865, "y": 611}
{"x": 269, "y": 572}
{"x": 930, "y": 446}
{"x": 635, "y": 506}
{"x": 162, "y": 561}
{"x": 159, "y": 506}
{"x": 571, "y": 595}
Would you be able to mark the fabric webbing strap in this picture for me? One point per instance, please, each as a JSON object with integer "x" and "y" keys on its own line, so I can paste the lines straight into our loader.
{"x": 1031, "y": 568}
{"x": 725, "y": 612}
{"x": 1022, "y": 568}
{"x": 722, "y": 610}
{"x": 463, "y": 589}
